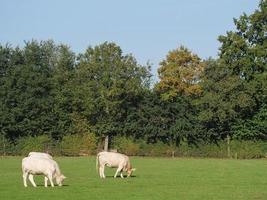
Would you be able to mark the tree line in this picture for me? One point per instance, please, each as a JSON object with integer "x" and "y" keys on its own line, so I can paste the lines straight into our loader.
{"x": 47, "y": 89}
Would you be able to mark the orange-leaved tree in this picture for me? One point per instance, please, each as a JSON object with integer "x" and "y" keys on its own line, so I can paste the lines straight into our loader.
{"x": 179, "y": 73}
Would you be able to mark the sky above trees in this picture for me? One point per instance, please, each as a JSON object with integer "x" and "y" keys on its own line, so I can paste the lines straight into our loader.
{"x": 147, "y": 29}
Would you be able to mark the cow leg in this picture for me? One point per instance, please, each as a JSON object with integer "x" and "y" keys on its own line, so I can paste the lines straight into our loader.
{"x": 45, "y": 180}
{"x": 118, "y": 170}
{"x": 25, "y": 175}
{"x": 122, "y": 175}
{"x": 32, "y": 180}
{"x": 102, "y": 169}
{"x": 50, "y": 178}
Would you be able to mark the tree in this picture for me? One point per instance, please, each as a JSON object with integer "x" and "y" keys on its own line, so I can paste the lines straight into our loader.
{"x": 109, "y": 84}
{"x": 225, "y": 99}
{"x": 63, "y": 87}
{"x": 179, "y": 74}
{"x": 32, "y": 94}
{"x": 244, "y": 55}
{"x": 244, "y": 50}
{"x": 157, "y": 120}
{"x": 252, "y": 125}
{"x": 26, "y": 101}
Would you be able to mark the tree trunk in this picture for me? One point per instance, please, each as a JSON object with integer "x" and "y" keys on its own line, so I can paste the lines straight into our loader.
{"x": 106, "y": 143}
{"x": 228, "y": 147}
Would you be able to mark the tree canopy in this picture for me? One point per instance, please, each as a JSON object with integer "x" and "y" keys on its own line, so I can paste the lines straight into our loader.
{"x": 47, "y": 89}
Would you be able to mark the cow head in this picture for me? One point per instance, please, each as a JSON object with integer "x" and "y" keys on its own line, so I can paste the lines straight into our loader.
{"x": 130, "y": 171}
{"x": 60, "y": 179}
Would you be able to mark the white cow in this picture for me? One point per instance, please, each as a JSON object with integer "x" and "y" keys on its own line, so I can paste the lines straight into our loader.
{"x": 40, "y": 154}
{"x": 113, "y": 160}
{"x": 41, "y": 166}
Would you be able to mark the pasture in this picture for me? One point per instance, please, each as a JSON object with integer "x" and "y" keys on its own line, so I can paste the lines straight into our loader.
{"x": 155, "y": 178}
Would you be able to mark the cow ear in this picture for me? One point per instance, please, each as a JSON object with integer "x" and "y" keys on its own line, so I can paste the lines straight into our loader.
{"x": 133, "y": 169}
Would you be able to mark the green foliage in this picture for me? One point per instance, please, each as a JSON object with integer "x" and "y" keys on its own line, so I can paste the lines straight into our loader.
{"x": 76, "y": 100}
{"x": 6, "y": 147}
{"x": 157, "y": 120}
{"x": 248, "y": 149}
{"x": 254, "y": 128}
{"x": 225, "y": 99}
{"x": 210, "y": 150}
{"x": 233, "y": 102}
{"x": 109, "y": 84}
{"x": 74, "y": 145}
{"x": 29, "y": 103}
{"x": 42, "y": 143}
{"x": 125, "y": 145}
{"x": 157, "y": 149}
{"x": 238, "y": 150}
{"x": 62, "y": 92}
{"x": 70, "y": 145}
{"x": 244, "y": 50}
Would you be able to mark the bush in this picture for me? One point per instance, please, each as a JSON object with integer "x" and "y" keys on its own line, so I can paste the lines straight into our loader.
{"x": 75, "y": 145}
{"x": 202, "y": 150}
{"x": 70, "y": 145}
{"x": 125, "y": 145}
{"x": 140, "y": 148}
{"x": 238, "y": 149}
{"x": 247, "y": 149}
{"x": 42, "y": 143}
{"x": 157, "y": 149}
{"x": 88, "y": 144}
{"x": 85, "y": 144}
{"x": 6, "y": 147}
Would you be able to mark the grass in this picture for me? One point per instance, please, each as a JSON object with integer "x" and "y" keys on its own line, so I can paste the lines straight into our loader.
{"x": 155, "y": 178}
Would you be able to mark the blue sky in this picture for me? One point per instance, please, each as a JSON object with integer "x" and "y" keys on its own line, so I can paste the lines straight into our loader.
{"x": 146, "y": 28}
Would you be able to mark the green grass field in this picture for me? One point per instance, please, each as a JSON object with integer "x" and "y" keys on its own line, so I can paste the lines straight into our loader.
{"x": 155, "y": 178}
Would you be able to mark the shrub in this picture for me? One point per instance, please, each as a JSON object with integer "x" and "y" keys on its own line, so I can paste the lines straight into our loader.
{"x": 247, "y": 149}
{"x": 202, "y": 150}
{"x": 132, "y": 148}
{"x": 125, "y": 145}
{"x": 157, "y": 149}
{"x": 88, "y": 145}
{"x": 42, "y": 143}
{"x": 238, "y": 149}
{"x": 70, "y": 145}
{"x": 6, "y": 147}
{"x": 74, "y": 145}
{"x": 85, "y": 144}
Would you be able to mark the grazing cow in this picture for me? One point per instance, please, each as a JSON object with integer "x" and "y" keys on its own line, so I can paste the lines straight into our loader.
{"x": 40, "y": 154}
{"x": 41, "y": 166}
{"x": 113, "y": 160}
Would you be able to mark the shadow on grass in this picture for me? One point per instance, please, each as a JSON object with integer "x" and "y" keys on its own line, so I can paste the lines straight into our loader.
{"x": 42, "y": 185}
{"x": 110, "y": 176}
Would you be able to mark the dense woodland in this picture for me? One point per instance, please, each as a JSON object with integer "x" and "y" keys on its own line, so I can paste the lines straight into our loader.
{"x": 52, "y": 95}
